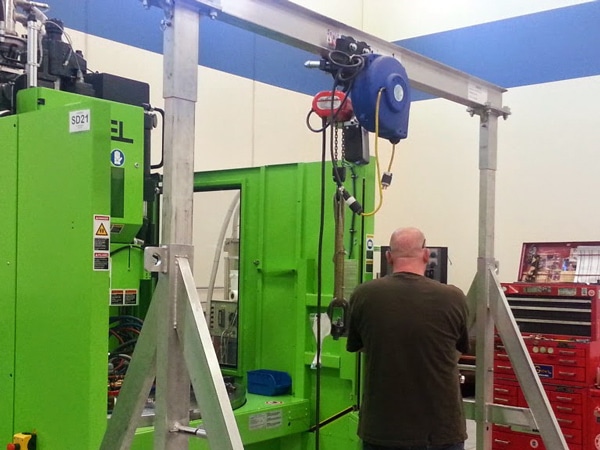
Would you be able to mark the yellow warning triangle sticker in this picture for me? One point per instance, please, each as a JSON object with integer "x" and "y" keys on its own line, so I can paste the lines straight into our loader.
{"x": 101, "y": 231}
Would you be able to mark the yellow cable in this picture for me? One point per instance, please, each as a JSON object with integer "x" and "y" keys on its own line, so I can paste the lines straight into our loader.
{"x": 379, "y": 186}
{"x": 392, "y": 158}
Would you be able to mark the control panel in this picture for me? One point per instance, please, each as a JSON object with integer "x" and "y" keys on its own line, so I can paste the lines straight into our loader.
{"x": 223, "y": 318}
{"x": 223, "y": 329}
{"x": 437, "y": 267}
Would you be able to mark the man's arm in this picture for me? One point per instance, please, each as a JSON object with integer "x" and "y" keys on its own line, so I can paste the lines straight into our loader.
{"x": 462, "y": 343}
{"x": 354, "y": 342}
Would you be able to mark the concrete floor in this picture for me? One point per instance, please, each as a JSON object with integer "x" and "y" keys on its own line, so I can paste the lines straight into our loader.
{"x": 471, "y": 431}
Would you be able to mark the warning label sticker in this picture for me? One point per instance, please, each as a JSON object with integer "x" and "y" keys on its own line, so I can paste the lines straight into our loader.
{"x": 101, "y": 244}
{"x": 274, "y": 419}
{"x": 131, "y": 297}
{"x": 102, "y": 261}
{"x": 369, "y": 249}
{"x": 117, "y": 297}
{"x": 101, "y": 231}
{"x": 268, "y": 420}
{"x": 101, "y": 237}
{"x": 257, "y": 421}
{"x": 124, "y": 297}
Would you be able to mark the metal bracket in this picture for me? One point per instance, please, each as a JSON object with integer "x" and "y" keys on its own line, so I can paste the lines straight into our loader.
{"x": 163, "y": 4}
{"x": 209, "y": 7}
{"x": 156, "y": 259}
{"x": 486, "y": 110}
{"x": 199, "y": 432}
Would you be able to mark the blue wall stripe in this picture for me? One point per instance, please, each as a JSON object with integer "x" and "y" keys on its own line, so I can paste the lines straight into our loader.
{"x": 553, "y": 45}
{"x": 222, "y": 47}
{"x": 538, "y": 48}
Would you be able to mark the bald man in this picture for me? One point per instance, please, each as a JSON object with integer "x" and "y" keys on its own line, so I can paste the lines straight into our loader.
{"x": 411, "y": 329}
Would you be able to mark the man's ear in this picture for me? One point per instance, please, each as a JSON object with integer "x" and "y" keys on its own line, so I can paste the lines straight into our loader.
{"x": 388, "y": 257}
{"x": 426, "y": 255}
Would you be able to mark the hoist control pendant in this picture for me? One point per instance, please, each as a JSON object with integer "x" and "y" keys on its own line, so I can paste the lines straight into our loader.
{"x": 382, "y": 72}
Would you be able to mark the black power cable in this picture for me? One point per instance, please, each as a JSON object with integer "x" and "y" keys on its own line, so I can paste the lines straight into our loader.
{"x": 344, "y": 76}
{"x": 361, "y": 263}
{"x": 335, "y": 417}
{"x": 320, "y": 287}
{"x": 353, "y": 220}
{"x": 162, "y": 151}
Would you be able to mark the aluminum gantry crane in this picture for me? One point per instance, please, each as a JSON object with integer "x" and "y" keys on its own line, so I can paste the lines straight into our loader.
{"x": 159, "y": 350}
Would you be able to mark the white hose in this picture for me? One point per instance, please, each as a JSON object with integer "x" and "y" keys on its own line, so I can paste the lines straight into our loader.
{"x": 235, "y": 231}
{"x": 218, "y": 249}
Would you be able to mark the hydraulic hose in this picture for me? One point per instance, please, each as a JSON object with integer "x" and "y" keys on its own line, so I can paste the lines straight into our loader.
{"x": 219, "y": 247}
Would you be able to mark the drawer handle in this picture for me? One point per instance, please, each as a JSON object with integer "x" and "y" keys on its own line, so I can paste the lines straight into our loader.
{"x": 502, "y": 355}
{"x": 568, "y": 436}
{"x": 565, "y": 420}
{"x": 567, "y": 361}
{"x": 501, "y": 400}
{"x": 505, "y": 367}
{"x": 565, "y": 352}
{"x": 564, "y": 399}
{"x": 567, "y": 374}
{"x": 564, "y": 408}
{"x": 504, "y": 391}
{"x": 500, "y": 441}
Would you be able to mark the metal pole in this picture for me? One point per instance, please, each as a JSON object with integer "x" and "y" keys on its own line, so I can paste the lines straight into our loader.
{"x": 9, "y": 17}
{"x": 32, "y": 51}
{"x": 184, "y": 351}
{"x": 488, "y": 146}
{"x": 181, "y": 40}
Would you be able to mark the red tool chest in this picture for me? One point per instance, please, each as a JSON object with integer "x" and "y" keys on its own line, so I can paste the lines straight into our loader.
{"x": 559, "y": 319}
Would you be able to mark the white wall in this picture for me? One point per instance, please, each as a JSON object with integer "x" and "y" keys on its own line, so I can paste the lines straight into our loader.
{"x": 548, "y": 168}
{"x": 400, "y": 19}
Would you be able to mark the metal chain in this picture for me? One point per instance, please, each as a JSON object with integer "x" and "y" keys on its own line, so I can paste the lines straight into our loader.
{"x": 343, "y": 147}
{"x": 335, "y": 142}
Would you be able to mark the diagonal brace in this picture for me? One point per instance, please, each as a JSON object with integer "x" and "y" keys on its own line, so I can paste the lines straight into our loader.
{"x": 203, "y": 368}
{"x": 138, "y": 382}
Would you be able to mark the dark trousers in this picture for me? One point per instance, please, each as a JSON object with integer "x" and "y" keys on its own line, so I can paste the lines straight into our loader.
{"x": 460, "y": 446}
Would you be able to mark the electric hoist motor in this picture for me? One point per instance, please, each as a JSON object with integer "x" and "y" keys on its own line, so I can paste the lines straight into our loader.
{"x": 377, "y": 86}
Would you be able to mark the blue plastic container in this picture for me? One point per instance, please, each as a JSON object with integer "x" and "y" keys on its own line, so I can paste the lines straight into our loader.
{"x": 269, "y": 382}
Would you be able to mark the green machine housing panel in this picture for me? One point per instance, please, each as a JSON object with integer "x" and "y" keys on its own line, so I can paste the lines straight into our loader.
{"x": 126, "y": 155}
{"x": 56, "y": 283}
{"x": 57, "y": 179}
{"x": 8, "y": 267}
{"x": 127, "y": 171}
{"x": 278, "y": 279}
{"x": 279, "y": 229}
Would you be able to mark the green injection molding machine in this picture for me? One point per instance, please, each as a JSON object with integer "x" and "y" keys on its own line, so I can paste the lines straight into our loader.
{"x": 72, "y": 210}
